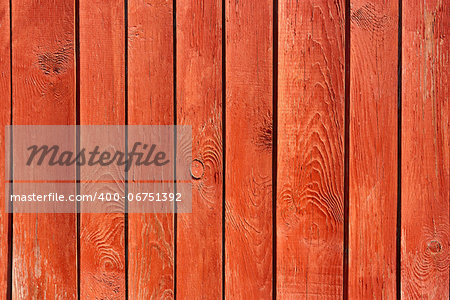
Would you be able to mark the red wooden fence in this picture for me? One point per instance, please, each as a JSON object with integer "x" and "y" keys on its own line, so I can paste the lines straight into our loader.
{"x": 320, "y": 137}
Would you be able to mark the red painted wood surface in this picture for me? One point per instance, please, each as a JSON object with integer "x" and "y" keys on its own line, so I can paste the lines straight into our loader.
{"x": 248, "y": 144}
{"x": 199, "y": 104}
{"x": 5, "y": 114}
{"x": 425, "y": 165}
{"x": 150, "y": 102}
{"x": 43, "y": 68}
{"x": 310, "y": 202}
{"x": 373, "y": 149}
{"x": 311, "y": 49}
{"x": 102, "y": 102}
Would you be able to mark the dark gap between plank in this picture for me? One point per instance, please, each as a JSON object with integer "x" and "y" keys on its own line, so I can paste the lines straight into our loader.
{"x": 346, "y": 150}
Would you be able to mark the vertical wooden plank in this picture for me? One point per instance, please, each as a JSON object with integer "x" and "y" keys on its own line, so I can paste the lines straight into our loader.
{"x": 248, "y": 178}
{"x": 5, "y": 119}
{"x": 373, "y": 149}
{"x": 150, "y": 83}
{"x": 425, "y": 254}
{"x": 44, "y": 249}
{"x": 199, "y": 103}
{"x": 310, "y": 202}
{"x": 102, "y": 102}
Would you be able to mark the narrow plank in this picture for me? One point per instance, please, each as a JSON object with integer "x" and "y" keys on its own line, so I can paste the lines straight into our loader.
{"x": 44, "y": 259}
{"x": 425, "y": 255}
{"x": 5, "y": 117}
{"x": 310, "y": 202}
{"x": 102, "y": 102}
{"x": 248, "y": 177}
{"x": 199, "y": 104}
{"x": 373, "y": 149}
{"x": 150, "y": 102}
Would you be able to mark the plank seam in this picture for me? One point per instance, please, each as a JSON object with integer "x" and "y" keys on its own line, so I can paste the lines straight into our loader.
{"x": 175, "y": 218}
{"x": 10, "y": 214}
{"x": 224, "y": 81}
{"x": 126, "y": 150}
{"x": 78, "y": 140}
{"x": 346, "y": 150}
{"x": 399, "y": 153}
{"x": 274, "y": 146}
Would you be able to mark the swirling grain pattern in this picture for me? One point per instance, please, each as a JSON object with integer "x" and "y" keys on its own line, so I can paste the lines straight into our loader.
{"x": 44, "y": 245}
{"x": 199, "y": 103}
{"x": 150, "y": 102}
{"x": 248, "y": 175}
{"x": 5, "y": 109}
{"x": 310, "y": 205}
{"x": 373, "y": 149}
{"x": 102, "y": 102}
{"x": 425, "y": 150}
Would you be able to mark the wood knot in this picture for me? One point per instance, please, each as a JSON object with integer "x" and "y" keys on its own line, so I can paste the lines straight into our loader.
{"x": 55, "y": 62}
{"x": 197, "y": 169}
{"x": 369, "y": 18}
{"x": 434, "y": 246}
{"x": 264, "y": 133}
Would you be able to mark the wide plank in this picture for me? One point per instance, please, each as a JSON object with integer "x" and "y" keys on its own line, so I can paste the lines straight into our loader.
{"x": 199, "y": 104}
{"x": 425, "y": 229}
{"x": 102, "y": 102}
{"x": 5, "y": 119}
{"x": 150, "y": 102}
{"x": 373, "y": 149}
{"x": 310, "y": 201}
{"x": 248, "y": 149}
{"x": 43, "y": 71}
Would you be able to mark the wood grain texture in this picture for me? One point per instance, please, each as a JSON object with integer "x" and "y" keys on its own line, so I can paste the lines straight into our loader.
{"x": 248, "y": 195}
{"x": 373, "y": 149}
{"x": 150, "y": 102}
{"x": 425, "y": 150}
{"x": 310, "y": 205}
{"x": 5, "y": 119}
{"x": 44, "y": 249}
{"x": 102, "y": 102}
{"x": 199, "y": 104}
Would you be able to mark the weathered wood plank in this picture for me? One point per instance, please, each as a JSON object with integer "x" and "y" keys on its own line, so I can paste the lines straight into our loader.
{"x": 310, "y": 202}
{"x": 102, "y": 102}
{"x": 44, "y": 249}
{"x": 5, "y": 114}
{"x": 248, "y": 178}
{"x": 199, "y": 104}
{"x": 150, "y": 102}
{"x": 373, "y": 149}
{"x": 425, "y": 150}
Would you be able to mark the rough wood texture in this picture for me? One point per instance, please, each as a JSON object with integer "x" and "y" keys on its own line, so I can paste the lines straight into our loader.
{"x": 248, "y": 242}
{"x": 425, "y": 150}
{"x": 5, "y": 113}
{"x": 102, "y": 102}
{"x": 373, "y": 149}
{"x": 44, "y": 249}
{"x": 150, "y": 102}
{"x": 199, "y": 103}
{"x": 310, "y": 205}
